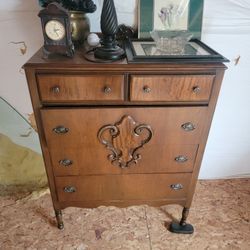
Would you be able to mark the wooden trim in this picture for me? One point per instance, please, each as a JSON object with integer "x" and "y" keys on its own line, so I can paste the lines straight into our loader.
{"x": 211, "y": 107}
{"x": 122, "y": 203}
{"x": 31, "y": 79}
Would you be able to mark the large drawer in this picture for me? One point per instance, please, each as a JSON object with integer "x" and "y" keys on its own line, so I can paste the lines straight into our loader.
{"x": 156, "y": 158}
{"x": 78, "y": 150}
{"x": 123, "y": 187}
{"x": 171, "y": 88}
{"x": 70, "y": 88}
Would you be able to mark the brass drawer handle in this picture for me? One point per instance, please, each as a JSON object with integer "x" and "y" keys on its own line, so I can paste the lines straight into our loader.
{"x": 176, "y": 186}
{"x": 61, "y": 130}
{"x": 107, "y": 90}
{"x": 181, "y": 159}
{"x": 146, "y": 89}
{"x": 196, "y": 89}
{"x": 69, "y": 189}
{"x": 65, "y": 162}
{"x": 188, "y": 126}
{"x": 55, "y": 89}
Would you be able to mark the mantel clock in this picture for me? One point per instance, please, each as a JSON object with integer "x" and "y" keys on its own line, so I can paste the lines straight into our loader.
{"x": 56, "y": 31}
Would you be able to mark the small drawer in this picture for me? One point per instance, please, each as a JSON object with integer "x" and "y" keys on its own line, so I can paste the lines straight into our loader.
{"x": 171, "y": 88}
{"x": 70, "y": 88}
{"x": 123, "y": 187}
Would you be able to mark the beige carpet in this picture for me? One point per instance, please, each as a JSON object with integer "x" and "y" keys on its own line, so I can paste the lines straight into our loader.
{"x": 220, "y": 214}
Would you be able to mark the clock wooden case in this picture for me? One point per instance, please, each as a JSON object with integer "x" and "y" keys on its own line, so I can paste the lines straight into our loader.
{"x": 56, "y": 31}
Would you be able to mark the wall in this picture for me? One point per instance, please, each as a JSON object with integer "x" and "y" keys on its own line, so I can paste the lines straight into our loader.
{"x": 226, "y": 28}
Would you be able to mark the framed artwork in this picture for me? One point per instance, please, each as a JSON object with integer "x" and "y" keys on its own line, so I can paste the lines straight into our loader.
{"x": 146, "y": 51}
{"x": 170, "y": 15}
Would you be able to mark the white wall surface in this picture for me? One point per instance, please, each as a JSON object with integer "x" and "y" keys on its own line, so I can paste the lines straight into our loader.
{"x": 226, "y": 28}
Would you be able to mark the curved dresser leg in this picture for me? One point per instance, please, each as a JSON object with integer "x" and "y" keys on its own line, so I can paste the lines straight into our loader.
{"x": 182, "y": 227}
{"x": 59, "y": 219}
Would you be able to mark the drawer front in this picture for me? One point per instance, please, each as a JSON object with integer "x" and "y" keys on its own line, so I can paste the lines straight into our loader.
{"x": 66, "y": 88}
{"x": 77, "y": 150}
{"x": 123, "y": 187}
{"x": 156, "y": 158}
{"x": 171, "y": 88}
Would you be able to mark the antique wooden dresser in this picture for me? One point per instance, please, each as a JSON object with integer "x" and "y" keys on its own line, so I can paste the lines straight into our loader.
{"x": 122, "y": 134}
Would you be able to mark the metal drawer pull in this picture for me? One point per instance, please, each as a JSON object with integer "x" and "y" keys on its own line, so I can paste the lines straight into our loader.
{"x": 55, "y": 89}
{"x": 146, "y": 89}
{"x": 196, "y": 89}
{"x": 69, "y": 189}
{"x": 65, "y": 162}
{"x": 188, "y": 126}
{"x": 107, "y": 90}
{"x": 177, "y": 186}
{"x": 61, "y": 130}
{"x": 181, "y": 159}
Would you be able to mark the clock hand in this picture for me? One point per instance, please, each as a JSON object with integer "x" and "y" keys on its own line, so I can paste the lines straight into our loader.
{"x": 55, "y": 30}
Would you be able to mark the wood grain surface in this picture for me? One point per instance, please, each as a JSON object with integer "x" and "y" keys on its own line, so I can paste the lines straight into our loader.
{"x": 123, "y": 187}
{"x": 66, "y": 88}
{"x": 171, "y": 88}
{"x": 70, "y": 94}
{"x": 89, "y": 156}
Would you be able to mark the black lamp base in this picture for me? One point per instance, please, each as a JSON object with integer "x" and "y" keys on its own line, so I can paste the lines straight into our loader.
{"x": 109, "y": 26}
{"x": 114, "y": 53}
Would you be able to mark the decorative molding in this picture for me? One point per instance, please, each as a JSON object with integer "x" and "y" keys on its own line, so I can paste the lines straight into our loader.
{"x": 123, "y": 139}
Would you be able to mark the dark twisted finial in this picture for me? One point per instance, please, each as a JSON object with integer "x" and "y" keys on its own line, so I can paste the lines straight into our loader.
{"x": 109, "y": 23}
{"x": 109, "y": 27}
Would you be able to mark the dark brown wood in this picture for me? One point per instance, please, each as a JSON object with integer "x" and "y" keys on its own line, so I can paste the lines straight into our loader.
{"x": 161, "y": 156}
{"x": 185, "y": 213}
{"x": 124, "y": 140}
{"x": 122, "y": 187}
{"x": 122, "y": 203}
{"x": 176, "y": 101}
{"x": 64, "y": 46}
{"x": 68, "y": 88}
{"x": 79, "y": 63}
{"x": 81, "y": 144}
{"x": 59, "y": 219}
{"x": 203, "y": 139}
{"x": 171, "y": 88}
{"x": 31, "y": 78}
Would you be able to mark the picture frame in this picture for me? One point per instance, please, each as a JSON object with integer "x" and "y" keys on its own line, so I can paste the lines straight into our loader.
{"x": 174, "y": 15}
{"x": 198, "y": 52}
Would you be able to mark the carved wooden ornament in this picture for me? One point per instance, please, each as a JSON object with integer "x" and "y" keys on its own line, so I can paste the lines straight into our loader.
{"x": 123, "y": 139}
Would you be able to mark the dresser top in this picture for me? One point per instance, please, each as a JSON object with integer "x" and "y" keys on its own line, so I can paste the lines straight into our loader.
{"x": 78, "y": 62}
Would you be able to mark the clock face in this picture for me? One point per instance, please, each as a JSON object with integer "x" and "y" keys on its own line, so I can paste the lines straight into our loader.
{"x": 55, "y": 30}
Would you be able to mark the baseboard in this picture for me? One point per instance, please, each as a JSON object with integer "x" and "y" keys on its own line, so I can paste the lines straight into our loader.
{"x": 239, "y": 176}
